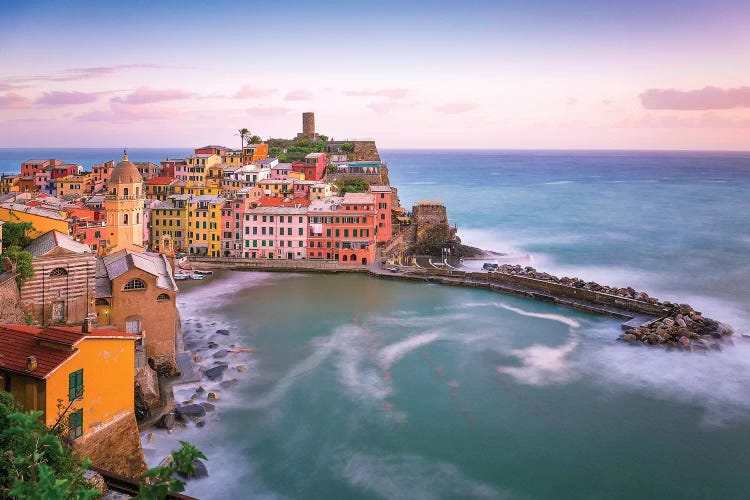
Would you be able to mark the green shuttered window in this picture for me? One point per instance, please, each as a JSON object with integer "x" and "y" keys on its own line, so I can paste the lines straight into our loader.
{"x": 75, "y": 385}
{"x": 75, "y": 424}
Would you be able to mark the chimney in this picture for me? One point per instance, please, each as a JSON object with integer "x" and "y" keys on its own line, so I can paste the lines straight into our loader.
{"x": 31, "y": 364}
{"x": 86, "y": 327}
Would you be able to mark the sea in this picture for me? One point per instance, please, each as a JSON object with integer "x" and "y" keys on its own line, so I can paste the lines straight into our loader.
{"x": 365, "y": 388}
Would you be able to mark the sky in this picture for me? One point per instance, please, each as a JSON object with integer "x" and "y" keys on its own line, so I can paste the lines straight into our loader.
{"x": 515, "y": 74}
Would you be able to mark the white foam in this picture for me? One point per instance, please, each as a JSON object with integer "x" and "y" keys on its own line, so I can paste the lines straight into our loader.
{"x": 558, "y": 182}
{"x": 395, "y": 352}
{"x": 409, "y": 476}
{"x": 543, "y": 365}
{"x": 552, "y": 317}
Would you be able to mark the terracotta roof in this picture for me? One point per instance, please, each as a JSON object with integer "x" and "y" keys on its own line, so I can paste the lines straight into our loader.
{"x": 159, "y": 180}
{"x": 125, "y": 172}
{"x": 279, "y": 201}
{"x": 18, "y": 342}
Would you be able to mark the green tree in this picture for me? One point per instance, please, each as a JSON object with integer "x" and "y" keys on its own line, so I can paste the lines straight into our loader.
{"x": 35, "y": 464}
{"x": 160, "y": 481}
{"x": 347, "y": 147}
{"x": 14, "y": 234}
{"x": 355, "y": 185}
{"x": 323, "y": 138}
{"x": 255, "y": 139}
{"x": 20, "y": 263}
{"x": 243, "y": 133}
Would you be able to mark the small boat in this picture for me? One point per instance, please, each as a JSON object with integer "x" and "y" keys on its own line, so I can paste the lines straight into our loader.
{"x": 244, "y": 349}
{"x": 181, "y": 276}
{"x": 201, "y": 271}
{"x": 196, "y": 276}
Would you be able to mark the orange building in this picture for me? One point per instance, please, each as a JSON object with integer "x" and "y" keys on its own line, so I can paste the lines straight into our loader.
{"x": 81, "y": 379}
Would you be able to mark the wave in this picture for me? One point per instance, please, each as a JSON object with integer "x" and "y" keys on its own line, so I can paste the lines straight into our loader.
{"x": 553, "y": 183}
{"x": 395, "y": 352}
{"x": 421, "y": 183}
{"x": 542, "y": 365}
{"x": 410, "y": 476}
{"x": 552, "y": 317}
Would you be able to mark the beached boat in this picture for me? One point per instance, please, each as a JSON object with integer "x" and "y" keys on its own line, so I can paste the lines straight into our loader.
{"x": 196, "y": 276}
{"x": 201, "y": 271}
{"x": 181, "y": 276}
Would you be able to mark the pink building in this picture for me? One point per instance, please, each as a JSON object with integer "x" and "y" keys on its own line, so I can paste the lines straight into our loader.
{"x": 313, "y": 167}
{"x": 65, "y": 170}
{"x": 101, "y": 172}
{"x": 31, "y": 167}
{"x": 276, "y": 229}
{"x": 281, "y": 171}
{"x": 383, "y": 200}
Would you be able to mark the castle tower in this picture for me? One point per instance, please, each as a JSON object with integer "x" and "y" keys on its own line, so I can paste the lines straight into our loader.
{"x": 124, "y": 208}
{"x": 308, "y": 125}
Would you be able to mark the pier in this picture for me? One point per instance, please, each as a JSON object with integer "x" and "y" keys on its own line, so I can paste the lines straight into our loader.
{"x": 633, "y": 313}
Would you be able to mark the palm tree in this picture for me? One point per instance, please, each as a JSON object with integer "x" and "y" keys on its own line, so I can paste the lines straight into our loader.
{"x": 243, "y": 133}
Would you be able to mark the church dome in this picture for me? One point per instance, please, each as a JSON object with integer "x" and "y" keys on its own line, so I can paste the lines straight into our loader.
{"x": 125, "y": 172}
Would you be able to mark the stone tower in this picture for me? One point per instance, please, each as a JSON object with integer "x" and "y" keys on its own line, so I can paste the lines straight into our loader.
{"x": 308, "y": 125}
{"x": 124, "y": 208}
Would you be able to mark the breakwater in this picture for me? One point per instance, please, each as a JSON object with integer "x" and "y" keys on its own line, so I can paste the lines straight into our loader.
{"x": 646, "y": 319}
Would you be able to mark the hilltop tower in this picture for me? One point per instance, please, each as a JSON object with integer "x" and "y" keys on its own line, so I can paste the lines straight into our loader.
{"x": 124, "y": 208}
{"x": 308, "y": 124}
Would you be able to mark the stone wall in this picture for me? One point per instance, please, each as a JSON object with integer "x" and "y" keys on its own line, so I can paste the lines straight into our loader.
{"x": 115, "y": 447}
{"x": 10, "y": 301}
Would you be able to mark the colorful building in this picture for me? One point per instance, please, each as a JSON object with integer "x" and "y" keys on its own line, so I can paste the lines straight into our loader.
{"x": 171, "y": 218}
{"x": 124, "y": 208}
{"x": 254, "y": 152}
{"x": 169, "y": 167}
{"x": 80, "y": 378}
{"x": 75, "y": 185}
{"x": 343, "y": 229}
{"x": 31, "y": 167}
{"x": 276, "y": 229}
{"x": 313, "y": 167}
{"x": 383, "y": 198}
{"x": 204, "y": 225}
{"x": 62, "y": 287}
{"x": 197, "y": 165}
{"x": 42, "y": 219}
{"x": 158, "y": 188}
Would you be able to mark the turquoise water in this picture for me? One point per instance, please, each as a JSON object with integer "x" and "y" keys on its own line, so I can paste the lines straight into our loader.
{"x": 365, "y": 388}
{"x": 373, "y": 389}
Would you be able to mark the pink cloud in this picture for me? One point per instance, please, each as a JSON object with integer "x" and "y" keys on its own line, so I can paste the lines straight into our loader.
{"x": 66, "y": 98}
{"x": 147, "y": 95}
{"x": 250, "y": 92}
{"x": 74, "y": 74}
{"x": 455, "y": 108}
{"x": 388, "y": 106}
{"x": 702, "y": 99}
{"x": 298, "y": 95}
{"x": 13, "y": 100}
{"x": 267, "y": 111}
{"x": 125, "y": 112}
{"x": 388, "y": 93}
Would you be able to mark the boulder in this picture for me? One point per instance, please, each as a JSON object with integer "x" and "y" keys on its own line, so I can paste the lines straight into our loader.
{"x": 216, "y": 372}
{"x": 95, "y": 480}
{"x": 681, "y": 322}
{"x": 166, "y": 421}
{"x": 212, "y": 396}
{"x": 229, "y": 383}
{"x": 240, "y": 368}
{"x": 191, "y": 410}
{"x": 213, "y": 345}
{"x": 208, "y": 406}
{"x": 221, "y": 354}
{"x": 222, "y": 332}
{"x": 200, "y": 424}
{"x": 200, "y": 471}
{"x": 629, "y": 337}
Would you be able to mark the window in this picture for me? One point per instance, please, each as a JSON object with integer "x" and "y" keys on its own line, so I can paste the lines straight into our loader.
{"x": 163, "y": 297}
{"x": 125, "y": 219}
{"x": 58, "y": 271}
{"x": 135, "y": 284}
{"x": 75, "y": 424}
{"x": 75, "y": 385}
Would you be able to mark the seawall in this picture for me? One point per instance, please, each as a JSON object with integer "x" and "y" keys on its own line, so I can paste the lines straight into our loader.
{"x": 634, "y": 313}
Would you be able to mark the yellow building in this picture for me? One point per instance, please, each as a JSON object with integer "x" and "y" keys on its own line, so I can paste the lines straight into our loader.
{"x": 322, "y": 190}
{"x": 124, "y": 208}
{"x": 42, "y": 219}
{"x": 202, "y": 190}
{"x": 9, "y": 183}
{"x": 204, "y": 225}
{"x": 277, "y": 187}
{"x": 78, "y": 185}
{"x": 198, "y": 165}
{"x": 171, "y": 218}
{"x": 232, "y": 158}
{"x": 81, "y": 379}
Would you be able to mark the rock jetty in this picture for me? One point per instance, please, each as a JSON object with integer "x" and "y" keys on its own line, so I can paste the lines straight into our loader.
{"x": 682, "y": 327}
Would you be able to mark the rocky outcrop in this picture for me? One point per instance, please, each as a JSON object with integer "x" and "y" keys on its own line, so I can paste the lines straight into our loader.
{"x": 10, "y": 300}
{"x": 681, "y": 327}
{"x": 115, "y": 447}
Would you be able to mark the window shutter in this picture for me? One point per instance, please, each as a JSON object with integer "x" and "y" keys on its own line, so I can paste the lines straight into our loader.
{"x": 72, "y": 386}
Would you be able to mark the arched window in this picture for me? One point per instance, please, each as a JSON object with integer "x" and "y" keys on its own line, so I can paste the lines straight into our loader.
{"x": 343, "y": 257}
{"x": 137, "y": 218}
{"x": 137, "y": 191}
{"x": 135, "y": 284}
{"x": 353, "y": 258}
{"x": 125, "y": 219}
{"x": 58, "y": 271}
{"x": 124, "y": 191}
{"x": 163, "y": 297}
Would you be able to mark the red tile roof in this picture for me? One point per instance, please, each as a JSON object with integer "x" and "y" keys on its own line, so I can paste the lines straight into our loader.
{"x": 159, "y": 180}
{"x": 18, "y": 342}
{"x": 279, "y": 201}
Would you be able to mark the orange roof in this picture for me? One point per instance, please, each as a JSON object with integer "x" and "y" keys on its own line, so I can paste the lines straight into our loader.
{"x": 280, "y": 201}
{"x": 18, "y": 342}
{"x": 159, "y": 180}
